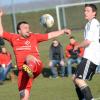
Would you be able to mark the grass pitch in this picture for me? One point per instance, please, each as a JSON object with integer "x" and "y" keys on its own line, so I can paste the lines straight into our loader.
{"x": 49, "y": 89}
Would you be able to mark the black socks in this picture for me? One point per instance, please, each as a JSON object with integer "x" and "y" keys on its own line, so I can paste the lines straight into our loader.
{"x": 79, "y": 93}
{"x": 86, "y": 92}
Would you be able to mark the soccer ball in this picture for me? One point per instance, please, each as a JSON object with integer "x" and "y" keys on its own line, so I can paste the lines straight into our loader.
{"x": 47, "y": 20}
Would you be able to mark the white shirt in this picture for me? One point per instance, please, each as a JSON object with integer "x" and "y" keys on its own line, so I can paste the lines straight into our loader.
{"x": 92, "y": 33}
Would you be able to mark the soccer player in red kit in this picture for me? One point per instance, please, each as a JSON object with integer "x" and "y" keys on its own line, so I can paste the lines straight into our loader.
{"x": 25, "y": 45}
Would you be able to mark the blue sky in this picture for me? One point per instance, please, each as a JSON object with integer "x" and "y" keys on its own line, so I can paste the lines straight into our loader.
{"x": 8, "y": 2}
{"x": 29, "y": 5}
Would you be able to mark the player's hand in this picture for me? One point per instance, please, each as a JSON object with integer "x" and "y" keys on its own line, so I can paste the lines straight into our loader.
{"x": 76, "y": 47}
{"x": 1, "y": 12}
{"x": 67, "y": 31}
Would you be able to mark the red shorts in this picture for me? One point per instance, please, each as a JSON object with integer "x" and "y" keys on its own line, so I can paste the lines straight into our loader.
{"x": 24, "y": 82}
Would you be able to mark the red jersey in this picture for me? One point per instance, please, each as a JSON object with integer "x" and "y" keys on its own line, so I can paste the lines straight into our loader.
{"x": 70, "y": 48}
{"x": 25, "y": 46}
{"x": 5, "y": 58}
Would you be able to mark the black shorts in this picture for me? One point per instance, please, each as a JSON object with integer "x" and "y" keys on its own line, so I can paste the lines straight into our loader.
{"x": 85, "y": 70}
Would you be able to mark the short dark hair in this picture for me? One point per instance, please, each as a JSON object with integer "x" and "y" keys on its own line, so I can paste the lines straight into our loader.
{"x": 94, "y": 8}
{"x": 18, "y": 25}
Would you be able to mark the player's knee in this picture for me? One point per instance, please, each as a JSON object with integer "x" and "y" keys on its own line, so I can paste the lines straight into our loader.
{"x": 24, "y": 94}
{"x": 77, "y": 81}
{"x": 73, "y": 78}
{"x": 29, "y": 58}
{"x": 80, "y": 82}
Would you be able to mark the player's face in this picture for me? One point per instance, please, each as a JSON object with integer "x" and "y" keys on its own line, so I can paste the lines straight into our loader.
{"x": 89, "y": 13}
{"x": 24, "y": 30}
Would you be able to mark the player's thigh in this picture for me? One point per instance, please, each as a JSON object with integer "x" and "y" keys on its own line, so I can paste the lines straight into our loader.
{"x": 85, "y": 70}
{"x": 80, "y": 69}
{"x": 91, "y": 71}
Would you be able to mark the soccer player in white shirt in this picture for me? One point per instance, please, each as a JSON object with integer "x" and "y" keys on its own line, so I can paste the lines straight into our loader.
{"x": 91, "y": 58}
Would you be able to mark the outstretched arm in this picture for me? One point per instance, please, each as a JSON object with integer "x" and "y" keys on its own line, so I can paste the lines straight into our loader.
{"x": 83, "y": 44}
{"x": 57, "y": 33}
{"x": 1, "y": 27}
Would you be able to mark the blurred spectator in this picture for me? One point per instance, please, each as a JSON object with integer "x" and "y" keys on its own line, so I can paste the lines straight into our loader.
{"x": 56, "y": 56}
{"x": 71, "y": 55}
{"x": 5, "y": 64}
{"x": 98, "y": 69}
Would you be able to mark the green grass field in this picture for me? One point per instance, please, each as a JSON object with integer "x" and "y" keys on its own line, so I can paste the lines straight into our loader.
{"x": 49, "y": 89}
{"x": 46, "y": 88}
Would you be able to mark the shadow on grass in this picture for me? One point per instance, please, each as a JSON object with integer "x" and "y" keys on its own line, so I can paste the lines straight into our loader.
{"x": 47, "y": 72}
